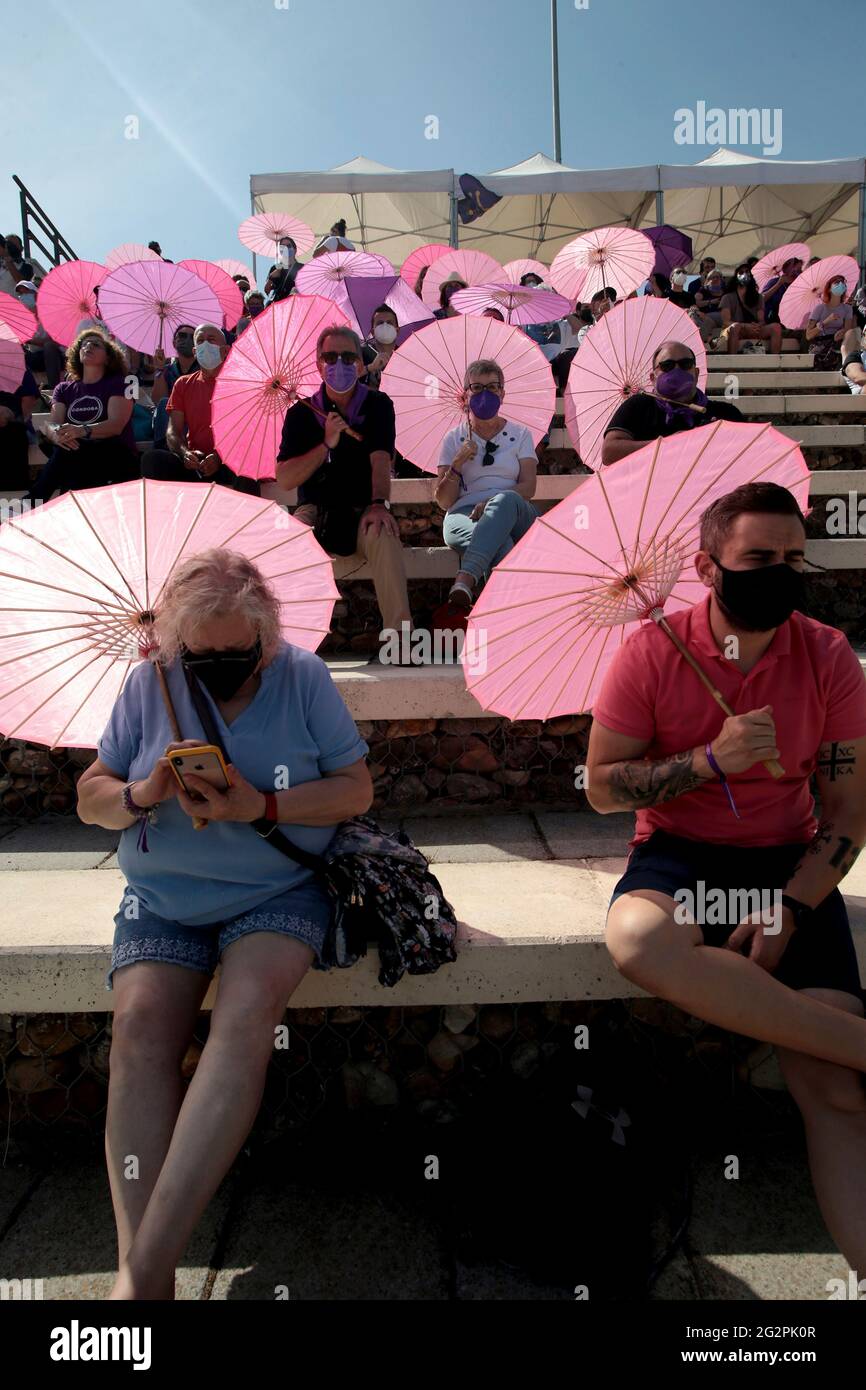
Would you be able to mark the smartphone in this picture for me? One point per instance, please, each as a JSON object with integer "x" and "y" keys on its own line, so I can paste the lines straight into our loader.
{"x": 205, "y": 762}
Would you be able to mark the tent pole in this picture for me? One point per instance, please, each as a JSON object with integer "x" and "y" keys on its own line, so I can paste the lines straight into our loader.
{"x": 554, "y": 56}
{"x": 252, "y": 209}
{"x": 453, "y": 236}
{"x": 660, "y": 208}
{"x": 861, "y": 239}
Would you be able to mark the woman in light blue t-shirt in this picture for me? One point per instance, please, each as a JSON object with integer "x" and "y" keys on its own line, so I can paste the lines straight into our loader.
{"x": 194, "y": 897}
{"x": 486, "y": 477}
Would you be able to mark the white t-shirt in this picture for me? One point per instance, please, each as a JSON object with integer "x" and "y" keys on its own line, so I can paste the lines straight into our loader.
{"x": 480, "y": 480}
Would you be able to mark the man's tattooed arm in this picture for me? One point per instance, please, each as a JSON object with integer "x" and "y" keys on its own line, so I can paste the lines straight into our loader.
{"x": 648, "y": 783}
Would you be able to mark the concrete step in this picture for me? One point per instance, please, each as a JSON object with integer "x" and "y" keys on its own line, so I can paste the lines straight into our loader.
{"x": 767, "y": 406}
{"x": 776, "y": 380}
{"x": 531, "y": 894}
{"x": 758, "y": 361}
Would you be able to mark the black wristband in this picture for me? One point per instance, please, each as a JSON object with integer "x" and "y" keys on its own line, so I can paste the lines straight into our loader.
{"x": 801, "y": 912}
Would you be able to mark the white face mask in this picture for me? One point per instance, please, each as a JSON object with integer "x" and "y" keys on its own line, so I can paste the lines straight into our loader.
{"x": 384, "y": 333}
{"x": 208, "y": 356}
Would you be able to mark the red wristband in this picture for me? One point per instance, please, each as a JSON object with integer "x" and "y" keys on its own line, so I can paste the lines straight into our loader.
{"x": 271, "y": 812}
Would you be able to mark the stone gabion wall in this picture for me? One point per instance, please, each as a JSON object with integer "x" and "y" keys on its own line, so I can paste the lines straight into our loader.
{"x": 429, "y": 1061}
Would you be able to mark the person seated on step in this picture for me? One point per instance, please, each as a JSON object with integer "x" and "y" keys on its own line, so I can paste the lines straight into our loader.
{"x": 337, "y": 449}
{"x": 254, "y": 304}
{"x": 828, "y": 323}
{"x": 449, "y": 287}
{"x": 379, "y": 347}
{"x": 707, "y": 313}
{"x": 675, "y": 403}
{"x": 743, "y": 317}
{"x": 600, "y": 304}
{"x": 189, "y": 455}
{"x": 486, "y": 478}
{"x": 16, "y": 408}
{"x": 679, "y": 295}
{"x": 217, "y": 893}
{"x": 854, "y": 360}
{"x": 166, "y": 373}
{"x": 729, "y": 906}
{"x": 776, "y": 286}
{"x": 91, "y": 421}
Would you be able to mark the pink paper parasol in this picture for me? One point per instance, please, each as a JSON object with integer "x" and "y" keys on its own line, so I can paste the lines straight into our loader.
{"x": 11, "y": 360}
{"x": 230, "y": 298}
{"x": 614, "y": 256}
{"x": 262, "y": 233}
{"x": 800, "y": 298}
{"x": 18, "y": 317}
{"x": 617, "y": 552}
{"x": 270, "y": 366}
{"x": 80, "y": 578}
{"x": 771, "y": 265}
{"x": 129, "y": 252}
{"x": 475, "y": 267}
{"x": 325, "y": 275}
{"x": 518, "y": 304}
{"x": 419, "y": 258}
{"x": 515, "y": 270}
{"x": 143, "y": 303}
{"x": 233, "y": 268}
{"x": 615, "y": 361}
{"x": 66, "y": 297}
{"x": 424, "y": 379}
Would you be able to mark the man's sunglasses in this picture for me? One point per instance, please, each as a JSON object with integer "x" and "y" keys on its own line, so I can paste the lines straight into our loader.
{"x": 329, "y": 358}
{"x": 668, "y": 364}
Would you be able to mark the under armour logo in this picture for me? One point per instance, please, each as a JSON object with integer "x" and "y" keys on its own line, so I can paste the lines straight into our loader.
{"x": 584, "y": 1104}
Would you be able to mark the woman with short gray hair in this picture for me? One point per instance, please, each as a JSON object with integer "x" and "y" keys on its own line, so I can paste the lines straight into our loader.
{"x": 222, "y": 893}
{"x": 487, "y": 474}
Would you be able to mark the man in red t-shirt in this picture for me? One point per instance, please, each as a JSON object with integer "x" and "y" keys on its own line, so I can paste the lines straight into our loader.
{"x": 190, "y": 456}
{"x": 729, "y": 905}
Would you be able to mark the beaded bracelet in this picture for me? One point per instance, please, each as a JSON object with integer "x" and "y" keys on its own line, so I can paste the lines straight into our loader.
{"x": 145, "y": 814}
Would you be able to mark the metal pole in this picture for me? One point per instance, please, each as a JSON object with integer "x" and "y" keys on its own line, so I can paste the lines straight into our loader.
{"x": 453, "y": 237}
{"x": 861, "y": 238}
{"x": 252, "y": 209}
{"x": 554, "y": 54}
{"x": 660, "y": 207}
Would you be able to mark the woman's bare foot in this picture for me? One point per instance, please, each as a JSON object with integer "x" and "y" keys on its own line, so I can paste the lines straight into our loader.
{"x": 128, "y": 1289}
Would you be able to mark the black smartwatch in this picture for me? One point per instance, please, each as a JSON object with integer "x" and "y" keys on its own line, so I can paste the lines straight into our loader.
{"x": 801, "y": 913}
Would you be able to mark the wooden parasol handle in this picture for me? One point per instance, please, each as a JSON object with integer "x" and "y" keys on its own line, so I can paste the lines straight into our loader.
{"x": 197, "y": 822}
{"x": 773, "y": 766}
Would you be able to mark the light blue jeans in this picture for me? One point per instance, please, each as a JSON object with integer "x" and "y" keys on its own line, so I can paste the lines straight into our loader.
{"x": 482, "y": 544}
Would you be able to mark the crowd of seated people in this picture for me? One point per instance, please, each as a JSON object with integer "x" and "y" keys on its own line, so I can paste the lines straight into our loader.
{"x": 101, "y": 432}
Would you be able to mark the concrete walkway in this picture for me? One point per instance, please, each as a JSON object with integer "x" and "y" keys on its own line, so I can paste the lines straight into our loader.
{"x": 755, "y": 1238}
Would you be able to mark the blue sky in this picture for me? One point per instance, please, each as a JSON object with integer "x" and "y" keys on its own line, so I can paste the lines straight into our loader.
{"x": 225, "y": 88}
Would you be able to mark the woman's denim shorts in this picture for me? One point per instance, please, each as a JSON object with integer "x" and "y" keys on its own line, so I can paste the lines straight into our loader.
{"x": 303, "y": 913}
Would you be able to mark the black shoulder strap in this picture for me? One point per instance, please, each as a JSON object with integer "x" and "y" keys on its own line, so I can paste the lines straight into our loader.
{"x": 263, "y": 828}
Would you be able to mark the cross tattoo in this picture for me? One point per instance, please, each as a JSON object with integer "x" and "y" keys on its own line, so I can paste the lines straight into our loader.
{"x": 839, "y": 762}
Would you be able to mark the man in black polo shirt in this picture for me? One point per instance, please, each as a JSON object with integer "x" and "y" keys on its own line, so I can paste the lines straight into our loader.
{"x": 337, "y": 450}
{"x": 674, "y": 404}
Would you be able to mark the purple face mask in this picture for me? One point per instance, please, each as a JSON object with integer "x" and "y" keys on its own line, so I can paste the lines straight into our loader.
{"x": 341, "y": 376}
{"x": 484, "y": 404}
{"x": 676, "y": 385}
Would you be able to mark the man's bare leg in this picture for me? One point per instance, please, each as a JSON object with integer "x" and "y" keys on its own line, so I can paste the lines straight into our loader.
{"x": 832, "y": 1101}
{"x": 669, "y": 959}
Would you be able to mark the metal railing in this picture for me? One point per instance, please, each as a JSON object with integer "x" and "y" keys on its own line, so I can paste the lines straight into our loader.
{"x": 35, "y": 220}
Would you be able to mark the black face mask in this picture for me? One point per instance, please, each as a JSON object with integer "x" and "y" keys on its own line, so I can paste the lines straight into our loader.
{"x": 222, "y": 673}
{"x": 760, "y": 599}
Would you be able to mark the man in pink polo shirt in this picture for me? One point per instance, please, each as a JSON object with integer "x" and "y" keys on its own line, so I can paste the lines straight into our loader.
{"x": 729, "y": 905}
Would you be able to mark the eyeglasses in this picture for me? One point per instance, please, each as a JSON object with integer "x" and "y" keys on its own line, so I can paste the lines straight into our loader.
{"x": 670, "y": 362}
{"x": 475, "y": 386}
{"x": 329, "y": 358}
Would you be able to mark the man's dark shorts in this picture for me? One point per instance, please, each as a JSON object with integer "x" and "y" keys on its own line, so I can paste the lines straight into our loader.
{"x": 821, "y": 955}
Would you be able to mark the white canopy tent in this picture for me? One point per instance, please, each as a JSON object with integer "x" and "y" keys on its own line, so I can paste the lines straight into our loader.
{"x": 732, "y": 205}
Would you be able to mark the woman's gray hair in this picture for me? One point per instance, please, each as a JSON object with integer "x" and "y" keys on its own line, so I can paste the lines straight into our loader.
{"x": 487, "y": 367}
{"x": 338, "y": 330}
{"x": 216, "y": 584}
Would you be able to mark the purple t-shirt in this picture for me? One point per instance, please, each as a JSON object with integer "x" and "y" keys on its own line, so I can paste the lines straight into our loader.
{"x": 832, "y": 318}
{"x": 87, "y": 403}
